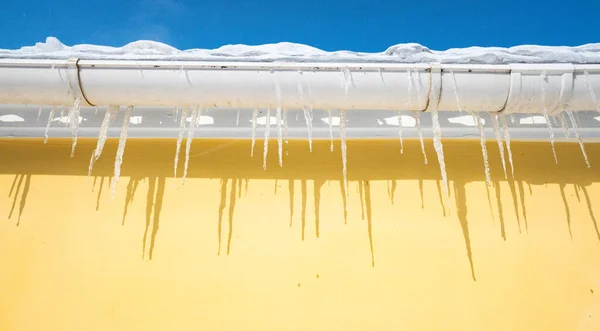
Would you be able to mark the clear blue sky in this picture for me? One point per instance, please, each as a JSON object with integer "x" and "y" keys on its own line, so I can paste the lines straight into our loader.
{"x": 330, "y": 25}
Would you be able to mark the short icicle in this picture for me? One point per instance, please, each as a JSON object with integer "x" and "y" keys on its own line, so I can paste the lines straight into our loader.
{"x": 254, "y": 116}
{"x": 496, "y": 127}
{"x": 74, "y": 123}
{"x": 188, "y": 144}
{"x": 486, "y": 164}
{"x": 420, "y": 132}
{"x": 578, "y": 136}
{"x": 121, "y": 150}
{"x": 179, "y": 139}
{"x": 507, "y": 141}
{"x": 439, "y": 150}
{"x": 50, "y": 119}
{"x": 344, "y": 149}
{"x": 39, "y": 113}
{"x": 267, "y": 134}
{"x": 109, "y": 116}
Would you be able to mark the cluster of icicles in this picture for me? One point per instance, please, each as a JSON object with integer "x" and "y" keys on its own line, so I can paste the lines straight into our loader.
{"x": 497, "y": 120}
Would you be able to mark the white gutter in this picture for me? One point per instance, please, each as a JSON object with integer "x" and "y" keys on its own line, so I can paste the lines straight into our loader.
{"x": 515, "y": 88}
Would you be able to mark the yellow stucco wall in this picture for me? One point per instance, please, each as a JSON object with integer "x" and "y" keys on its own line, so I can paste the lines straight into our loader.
{"x": 240, "y": 248}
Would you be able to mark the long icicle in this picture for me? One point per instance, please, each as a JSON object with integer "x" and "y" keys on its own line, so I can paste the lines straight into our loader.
{"x": 439, "y": 150}
{"x": 543, "y": 78}
{"x": 188, "y": 144}
{"x": 420, "y": 132}
{"x": 578, "y": 136}
{"x": 121, "y": 150}
{"x": 50, "y": 119}
{"x": 496, "y": 127}
{"x": 182, "y": 121}
{"x": 507, "y": 141}
{"x": 74, "y": 123}
{"x": 307, "y": 116}
{"x": 400, "y": 132}
{"x": 254, "y": 116}
{"x": 267, "y": 134}
{"x": 109, "y": 116}
{"x": 591, "y": 90}
{"x": 479, "y": 121}
{"x": 344, "y": 149}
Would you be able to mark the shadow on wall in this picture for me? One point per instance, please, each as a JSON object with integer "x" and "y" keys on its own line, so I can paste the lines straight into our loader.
{"x": 368, "y": 160}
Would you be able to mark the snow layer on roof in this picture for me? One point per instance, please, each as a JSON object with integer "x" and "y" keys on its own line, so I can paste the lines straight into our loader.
{"x": 290, "y": 52}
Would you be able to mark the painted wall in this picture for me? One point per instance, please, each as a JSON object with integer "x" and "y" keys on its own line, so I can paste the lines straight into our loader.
{"x": 240, "y": 248}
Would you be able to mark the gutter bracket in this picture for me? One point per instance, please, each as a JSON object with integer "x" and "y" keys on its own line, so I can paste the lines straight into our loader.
{"x": 74, "y": 80}
{"x": 435, "y": 86}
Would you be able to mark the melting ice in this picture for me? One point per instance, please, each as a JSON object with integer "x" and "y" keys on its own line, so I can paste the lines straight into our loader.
{"x": 439, "y": 150}
{"x": 486, "y": 164}
{"x": 267, "y": 133}
{"x": 543, "y": 79}
{"x": 578, "y": 136}
{"x": 420, "y": 132}
{"x": 50, "y": 119}
{"x": 121, "y": 150}
{"x": 330, "y": 120}
{"x": 507, "y": 140}
{"x": 109, "y": 116}
{"x": 74, "y": 123}
{"x": 495, "y": 126}
{"x": 179, "y": 139}
{"x": 400, "y": 132}
{"x": 254, "y": 115}
{"x": 591, "y": 90}
{"x": 188, "y": 143}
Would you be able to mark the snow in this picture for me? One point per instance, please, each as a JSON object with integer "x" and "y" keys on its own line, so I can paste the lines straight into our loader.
{"x": 53, "y": 48}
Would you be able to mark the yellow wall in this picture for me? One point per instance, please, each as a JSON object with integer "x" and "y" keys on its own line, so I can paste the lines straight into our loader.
{"x": 240, "y": 248}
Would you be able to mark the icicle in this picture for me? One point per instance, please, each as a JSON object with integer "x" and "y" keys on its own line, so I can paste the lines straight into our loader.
{"x": 121, "y": 150}
{"x": 420, "y": 132}
{"x": 188, "y": 144}
{"x": 176, "y": 114}
{"x": 347, "y": 80}
{"x": 344, "y": 151}
{"x": 456, "y": 92}
{"x": 564, "y": 125}
{"x": 267, "y": 133}
{"x": 507, "y": 140}
{"x": 578, "y": 136}
{"x": 400, "y": 132}
{"x": 285, "y": 125}
{"x": 179, "y": 139}
{"x": 109, "y": 116}
{"x": 74, "y": 124}
{"x": 278, "y": 116}
{"x": 329, "y": 120}
{"x": 254, "y": 115}
{"x": 96, "y": 110}
{"x": 486, "y": 164}
{"x": 591, "y": 90}
{"x": 50, "y": 119}
{"x": 496, "y": 128}
{"x": 550, "y": 130}
{"x": 39, "y": 113}
{"x": 307, "y": 116}
{"x": 62, "y": 115}
{"x": 418, "y": 85}
{"x": 439, "y": 149}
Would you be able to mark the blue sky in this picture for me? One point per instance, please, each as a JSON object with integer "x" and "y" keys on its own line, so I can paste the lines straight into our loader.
{"x": 368, "y": 26}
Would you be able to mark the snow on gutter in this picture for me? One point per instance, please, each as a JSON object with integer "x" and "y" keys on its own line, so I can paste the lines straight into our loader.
{"x": 508, "y": 88}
